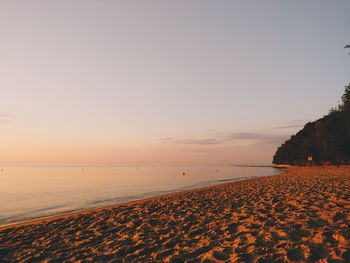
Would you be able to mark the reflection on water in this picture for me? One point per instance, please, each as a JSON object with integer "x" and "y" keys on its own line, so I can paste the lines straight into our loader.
{"x": 32, "y": 192}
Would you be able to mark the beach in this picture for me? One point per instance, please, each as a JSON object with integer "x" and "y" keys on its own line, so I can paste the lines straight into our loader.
{"x": 302, "y": 215}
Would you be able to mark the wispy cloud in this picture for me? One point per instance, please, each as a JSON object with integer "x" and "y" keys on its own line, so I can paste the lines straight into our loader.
{"x": 227, "y": 138}
{"x": 292, "y": 124}
{"x": 6, "y": 117}
{"x": 193, "y": 141}
{"x": 276, "y": 135}
{"x": 255, "y": 136}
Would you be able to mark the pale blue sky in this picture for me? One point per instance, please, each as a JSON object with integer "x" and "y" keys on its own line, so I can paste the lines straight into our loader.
{"x": 165, "y": 81}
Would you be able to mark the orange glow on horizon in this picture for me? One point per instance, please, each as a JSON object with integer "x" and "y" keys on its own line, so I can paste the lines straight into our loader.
{"x": 142, "y": 154}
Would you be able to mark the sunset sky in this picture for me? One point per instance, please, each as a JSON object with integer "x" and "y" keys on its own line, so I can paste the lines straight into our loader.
{"x": 165, "y": 82}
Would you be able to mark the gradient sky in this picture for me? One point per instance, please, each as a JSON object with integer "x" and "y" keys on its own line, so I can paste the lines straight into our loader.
{"x": 165, "y": 82}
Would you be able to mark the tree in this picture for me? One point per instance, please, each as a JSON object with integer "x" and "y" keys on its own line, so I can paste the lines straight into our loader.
{"x": 345, "y": 105}
{"x": 327, "y": 140}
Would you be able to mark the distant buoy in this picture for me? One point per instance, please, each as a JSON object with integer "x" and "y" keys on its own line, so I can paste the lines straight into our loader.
{"x": 217, "y": 171}
{"x": 183, "y": 173}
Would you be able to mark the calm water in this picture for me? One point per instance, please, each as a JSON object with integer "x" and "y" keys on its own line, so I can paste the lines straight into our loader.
{"x": 34, "y": 192}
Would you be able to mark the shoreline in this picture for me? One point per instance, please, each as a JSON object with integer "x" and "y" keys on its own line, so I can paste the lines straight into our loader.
{"x": 85, "y": 211}
{"x": 302, "y": 215}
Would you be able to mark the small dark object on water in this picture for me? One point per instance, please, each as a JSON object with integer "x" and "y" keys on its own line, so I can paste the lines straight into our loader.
{"x": 183, "y": 173}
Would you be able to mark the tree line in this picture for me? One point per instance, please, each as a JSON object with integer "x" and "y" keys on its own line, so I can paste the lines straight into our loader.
{"x": 325, "y": 141}
{"x": 322, "y": 142}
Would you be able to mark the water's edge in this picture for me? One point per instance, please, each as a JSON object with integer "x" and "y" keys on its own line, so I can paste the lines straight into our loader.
{"x": 129, "y": 199}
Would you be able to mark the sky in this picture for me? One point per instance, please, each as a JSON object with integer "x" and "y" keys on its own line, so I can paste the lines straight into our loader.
{"x": 165, "y": 82}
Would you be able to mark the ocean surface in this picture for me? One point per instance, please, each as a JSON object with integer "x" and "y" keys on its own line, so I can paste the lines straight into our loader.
{"x": 29, "y": 192}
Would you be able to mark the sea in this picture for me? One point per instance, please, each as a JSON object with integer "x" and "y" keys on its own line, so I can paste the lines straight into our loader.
{"x": 32, "y": 192}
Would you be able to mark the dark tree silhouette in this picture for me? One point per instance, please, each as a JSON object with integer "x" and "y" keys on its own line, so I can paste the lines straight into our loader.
{"x": 327, "y": 140}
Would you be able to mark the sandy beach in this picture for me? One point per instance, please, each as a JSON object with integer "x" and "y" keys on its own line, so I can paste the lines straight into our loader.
{"x": 299, "y": 216}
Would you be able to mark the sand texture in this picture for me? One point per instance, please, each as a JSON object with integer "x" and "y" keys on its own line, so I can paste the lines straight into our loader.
{"x": 300, "y": 216}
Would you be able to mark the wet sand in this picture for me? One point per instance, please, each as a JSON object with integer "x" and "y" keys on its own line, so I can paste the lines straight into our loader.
{"x": 300, "y": 216}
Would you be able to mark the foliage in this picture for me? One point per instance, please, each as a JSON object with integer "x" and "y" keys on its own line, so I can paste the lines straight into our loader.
{"x": 327, "y": 140}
